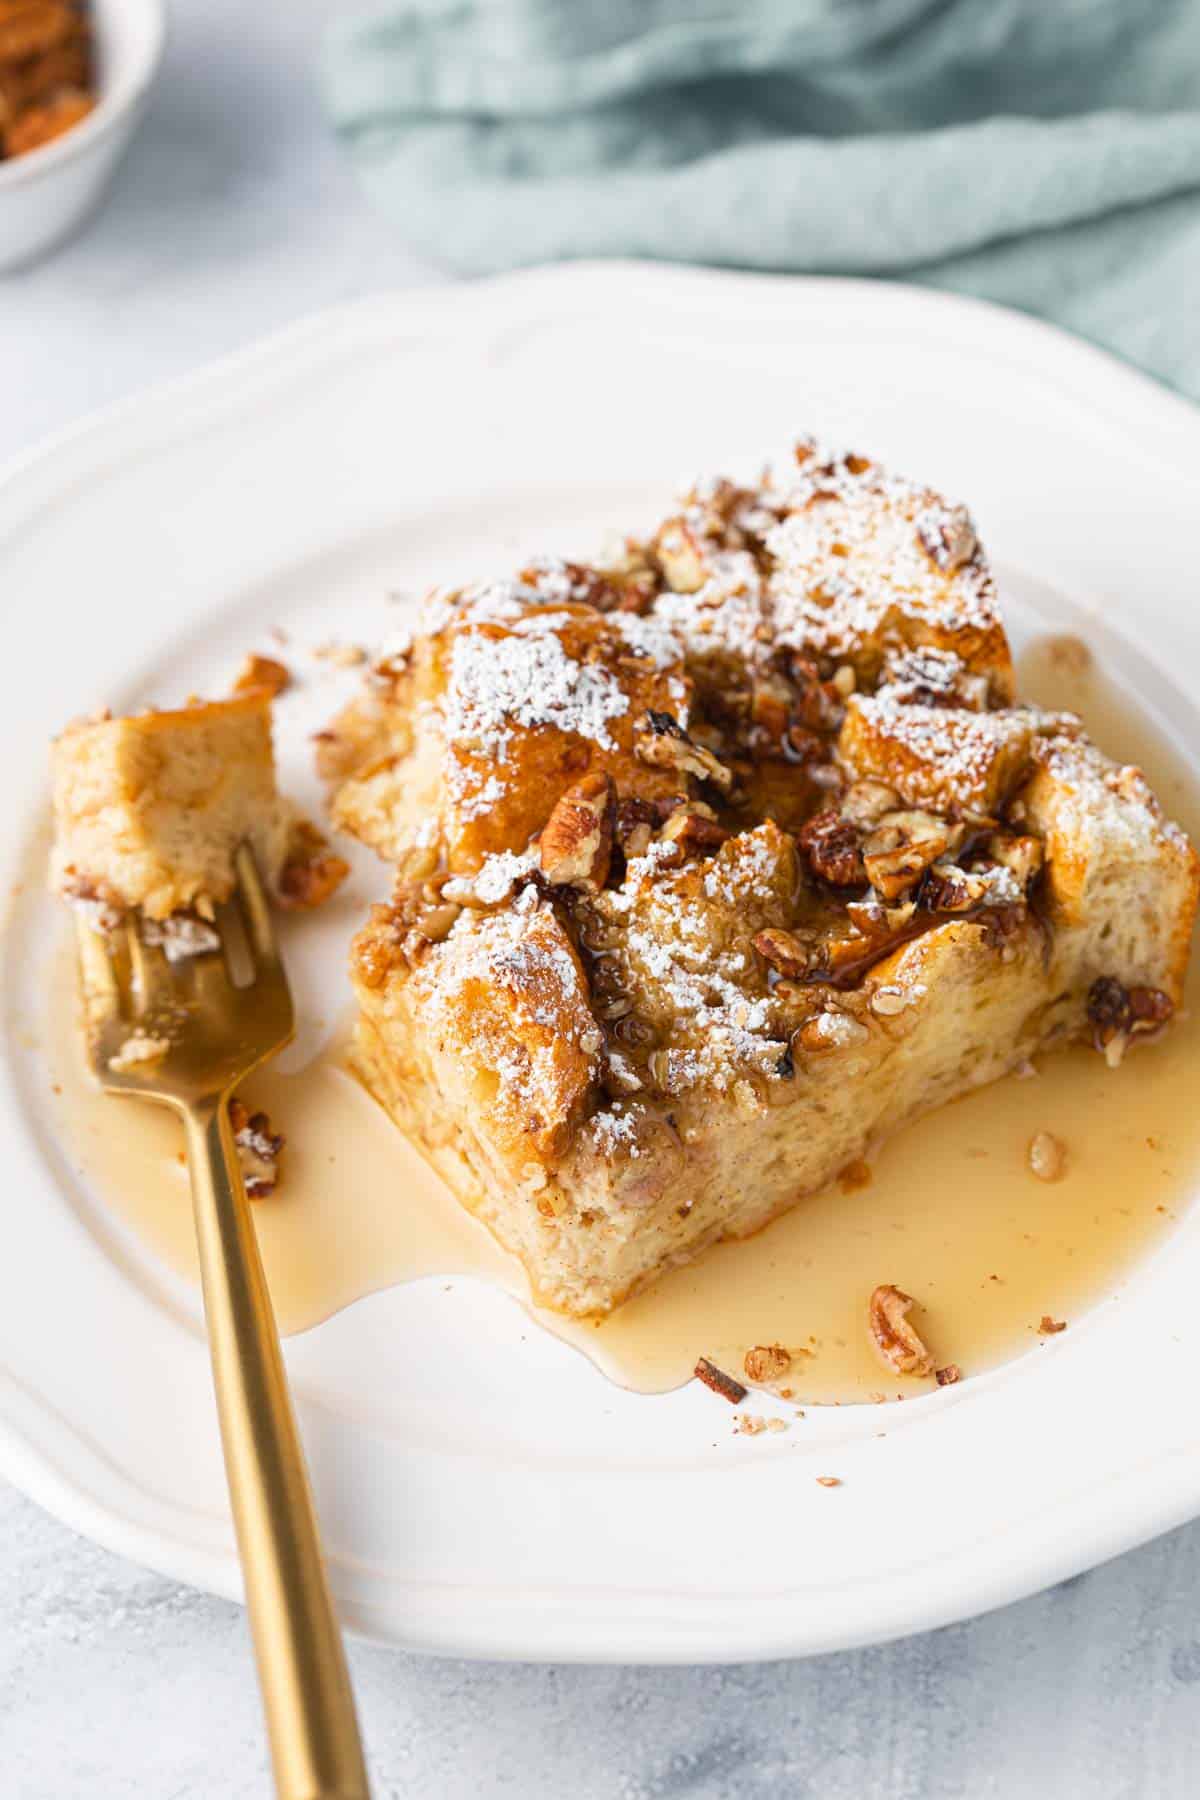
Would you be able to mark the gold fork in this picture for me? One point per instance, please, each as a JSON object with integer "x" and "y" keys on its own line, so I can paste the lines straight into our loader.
{"x": 185, "y": 1035}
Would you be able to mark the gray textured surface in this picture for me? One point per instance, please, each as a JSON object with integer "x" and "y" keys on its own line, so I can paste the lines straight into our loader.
{"x": 232, "y": 217}
{"x": 116, "y": 1683}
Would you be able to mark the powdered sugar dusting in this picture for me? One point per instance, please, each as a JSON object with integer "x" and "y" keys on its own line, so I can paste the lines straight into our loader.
{"x": 498, "y": 681}
{"x": 474, "y": 801}
{"x": 727, "y": 612}
{"x": 541, "y": 1042}
{"x": 652, "y": 637}
{"x": 495, "y": 879}
{"x": 680, "y": 968}
{"x": 932, "y": 754}
{"x": 856, "y": 542}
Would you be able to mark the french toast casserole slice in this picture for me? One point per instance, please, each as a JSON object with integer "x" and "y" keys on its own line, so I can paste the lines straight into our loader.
{"x": 717, "y": 865}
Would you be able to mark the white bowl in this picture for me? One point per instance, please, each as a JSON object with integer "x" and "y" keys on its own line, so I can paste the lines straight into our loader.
{"x": 45, "y": 195}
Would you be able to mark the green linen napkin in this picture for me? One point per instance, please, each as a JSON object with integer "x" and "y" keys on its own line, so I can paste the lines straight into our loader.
{"x": 1045, "y": 153}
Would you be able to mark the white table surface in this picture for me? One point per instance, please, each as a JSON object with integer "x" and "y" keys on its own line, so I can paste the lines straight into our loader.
{"x": 233, "y": 216}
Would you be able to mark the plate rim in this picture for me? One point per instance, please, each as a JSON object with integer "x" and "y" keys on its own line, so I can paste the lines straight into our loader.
{"x": 1150, "y": 1502}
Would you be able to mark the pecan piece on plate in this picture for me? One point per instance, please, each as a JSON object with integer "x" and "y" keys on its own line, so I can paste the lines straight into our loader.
{"x": 767, "y": 1362}
{"x": 729, "y": 1389}
{"x": 895, "y": 1340}
{"x": 262, "y": 672}
{"x": 258, "y": 1149}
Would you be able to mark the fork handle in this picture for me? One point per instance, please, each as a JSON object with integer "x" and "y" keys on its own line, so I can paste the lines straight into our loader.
{"x": 316, "y": 1751}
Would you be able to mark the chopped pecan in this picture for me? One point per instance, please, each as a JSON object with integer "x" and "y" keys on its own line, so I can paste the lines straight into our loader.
{"x": 1117, "y": 1012}
{"x": 1149, "y": 1007}
{"x": 692, "y": 832}
{"x": 258, "y": 1149}
{"x": 865, "y": 802}
{"x": 1047, "y": 1157}
{"x": 34, "y": 30}
{"x": 786, "y": 952}
{"x": 947, "y": 536}
{"x": 902, "y": 846}
{"x": 262, "y": 672}
{"x": 635, "y": 823}
{"x": 436, "y": 922}
{"x": 833, "y": 846}
{"x": 803, "y": 747}
{"x": 312, "y": 872}
{"x": 636, "y": 591}
{"x": 770, "y": 714}
{"x": 874, "y": 920}
{"x": 720, "y": 1383}
{"x": 819, "y": 704}
{"x": 948, "y": 1376}
{"x": 400, "y": 935}
{"x": 577, "y": 839}
{"x": 949, "y": 889}
{"x": 767, "y": 1362}
{"x": 378, "y": 948}
{"x": 1051, "y": 1327}
{"x": 895, "y": 1340}
{"x": 661, "y": 741}
{"x": 1108, "y": 1010}
{"x": 1021, "y": 856}
{"x": 38, "y": 125}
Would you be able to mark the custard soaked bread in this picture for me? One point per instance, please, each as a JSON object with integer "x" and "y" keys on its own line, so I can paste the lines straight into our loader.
{"x": 716, "y": 866}
{"x": 150, "y": 809}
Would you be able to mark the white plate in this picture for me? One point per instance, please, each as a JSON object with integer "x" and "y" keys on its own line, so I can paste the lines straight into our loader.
{"x": 483, "y": 1491}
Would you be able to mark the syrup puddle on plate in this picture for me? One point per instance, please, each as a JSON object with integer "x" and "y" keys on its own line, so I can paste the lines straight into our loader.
{"x": 951, "y": 1214}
